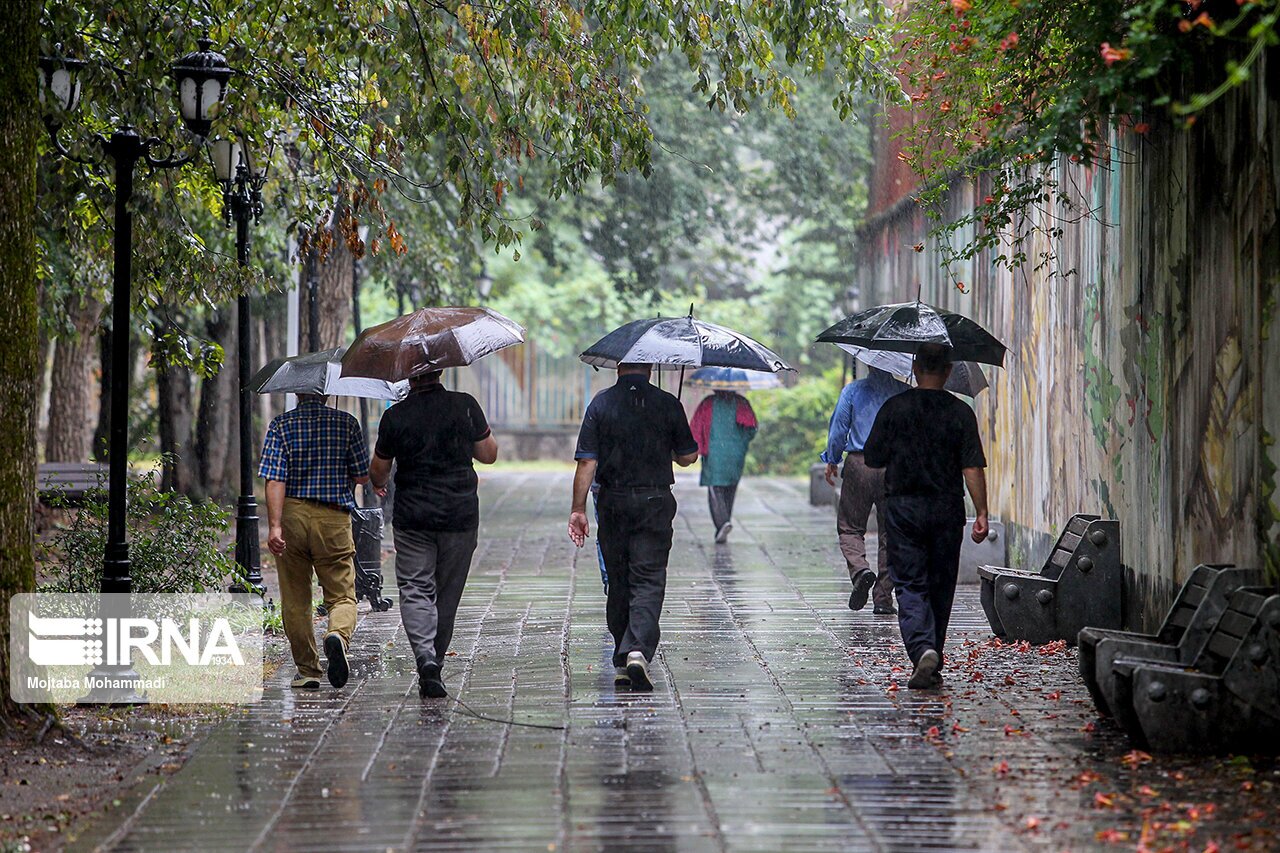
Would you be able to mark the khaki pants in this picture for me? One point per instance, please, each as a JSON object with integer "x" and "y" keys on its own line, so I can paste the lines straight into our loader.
{"x": 860, "y": 487}
{"x": 315, "y": 538}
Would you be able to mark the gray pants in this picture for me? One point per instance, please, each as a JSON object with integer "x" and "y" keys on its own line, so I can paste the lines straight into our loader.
{"x": 431, "y": 570}
{"x": 861, "y": 487}
{"x": 720, "y": 499}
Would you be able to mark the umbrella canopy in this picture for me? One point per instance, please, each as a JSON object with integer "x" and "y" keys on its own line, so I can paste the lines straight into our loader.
{"x": 429, "y": 339}
{"x": 671, "y": 343}
{"x": 966, "y": 377}
{"x": 732, "y": 379}
{"x": 903, "y": 327}
{"x": 320, "y": 373}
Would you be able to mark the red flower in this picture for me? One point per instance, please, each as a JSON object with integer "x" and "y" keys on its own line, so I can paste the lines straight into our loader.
{"x": 1009, "y": 41}
{"x": 1112, "y": 55}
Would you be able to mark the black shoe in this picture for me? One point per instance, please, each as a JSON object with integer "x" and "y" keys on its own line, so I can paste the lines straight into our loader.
{"x": 430, "y": 684}
{"x": 861, "y": 589}
{"x": 336, "y": 651}
{"x": 884, "y": 610}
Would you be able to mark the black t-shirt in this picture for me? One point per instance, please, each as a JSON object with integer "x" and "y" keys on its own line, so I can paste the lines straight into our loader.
{"x": 924, "y": 439}
{"x": 431, "y": 435}
{"x": 632, "y": 429}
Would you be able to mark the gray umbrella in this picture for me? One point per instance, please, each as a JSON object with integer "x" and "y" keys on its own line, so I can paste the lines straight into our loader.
{"x": 966, "y": 377}
{"x": 320, "y": 373}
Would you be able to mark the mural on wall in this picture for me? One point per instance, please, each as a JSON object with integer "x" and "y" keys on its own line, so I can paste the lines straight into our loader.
{"x": 1141, "y": 355}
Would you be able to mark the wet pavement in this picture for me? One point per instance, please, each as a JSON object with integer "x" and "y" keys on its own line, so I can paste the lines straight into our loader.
{"x": 777, "y": 723}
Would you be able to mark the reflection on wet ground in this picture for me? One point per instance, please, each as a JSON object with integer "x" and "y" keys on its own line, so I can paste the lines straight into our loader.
{"x": 776, "y": 723}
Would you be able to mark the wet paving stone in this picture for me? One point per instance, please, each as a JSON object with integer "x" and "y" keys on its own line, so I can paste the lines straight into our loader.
{"x": 780, "y": 721}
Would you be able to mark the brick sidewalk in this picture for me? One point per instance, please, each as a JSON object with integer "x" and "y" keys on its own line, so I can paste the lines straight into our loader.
{"x": 776, "y": 723}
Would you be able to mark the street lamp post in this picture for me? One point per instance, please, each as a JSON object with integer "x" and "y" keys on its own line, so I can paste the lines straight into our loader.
{"x": 242, "y": 177}
{"x": 202, "y": 85}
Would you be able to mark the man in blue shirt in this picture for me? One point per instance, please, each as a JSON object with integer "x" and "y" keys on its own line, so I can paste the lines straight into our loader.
{"x": 312, "y": 456}
{"x": 861, "y": 486}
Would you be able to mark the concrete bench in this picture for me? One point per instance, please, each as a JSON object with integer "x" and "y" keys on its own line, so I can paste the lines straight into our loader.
{"x": 1228, "y": 700}
{"x": 70, "y": 483}
{"x": 1181, "y": 637}
{"x": 1081, "y": 584}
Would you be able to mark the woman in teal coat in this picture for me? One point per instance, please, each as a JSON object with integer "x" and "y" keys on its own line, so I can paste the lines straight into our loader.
{"x": 723, "y": 425}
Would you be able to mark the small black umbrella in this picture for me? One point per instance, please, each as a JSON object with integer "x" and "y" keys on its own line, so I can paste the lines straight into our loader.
{"x": 904, "y": 326}
{"x": 671, "y": 343}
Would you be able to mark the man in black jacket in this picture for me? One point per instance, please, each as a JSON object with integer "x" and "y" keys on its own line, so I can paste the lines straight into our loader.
{"x": 928, "y": 442}
{"x": 630, "y": 435}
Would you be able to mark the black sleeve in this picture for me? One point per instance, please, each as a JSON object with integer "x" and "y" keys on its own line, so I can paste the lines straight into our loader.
{"x": 878, "y": 448}
{"x": 682, "y": 443}
{"x": 479, "y": 424}
{"x": 589, "y": 436}
{"x": 386, "y": 448}
{"x": 971, "y": 455}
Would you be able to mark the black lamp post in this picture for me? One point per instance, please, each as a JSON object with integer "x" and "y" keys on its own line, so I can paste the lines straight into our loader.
{"x": 242, "y": 177}
{"x": 202, "y": 84}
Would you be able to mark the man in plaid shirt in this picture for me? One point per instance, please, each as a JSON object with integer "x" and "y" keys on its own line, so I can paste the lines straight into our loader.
{"x": 312, "y": 457}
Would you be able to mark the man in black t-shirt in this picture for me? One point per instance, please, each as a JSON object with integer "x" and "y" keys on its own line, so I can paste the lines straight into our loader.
{"x": 928, "y": 442}
{"x": 630, "y": 435}
{"x": 433, "y": 435}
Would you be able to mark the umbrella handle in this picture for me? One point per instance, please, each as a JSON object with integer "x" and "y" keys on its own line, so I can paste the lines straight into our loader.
{"x": 681, "y": 389}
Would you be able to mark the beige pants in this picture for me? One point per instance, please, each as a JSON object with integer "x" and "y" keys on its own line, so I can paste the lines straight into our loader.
{"x": 860, "y": 487}
{"x": 316, "y": 538}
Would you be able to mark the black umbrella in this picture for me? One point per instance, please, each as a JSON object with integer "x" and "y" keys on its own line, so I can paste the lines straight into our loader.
{"x": 903, "y": 327}
{"x": 671, "y": 343}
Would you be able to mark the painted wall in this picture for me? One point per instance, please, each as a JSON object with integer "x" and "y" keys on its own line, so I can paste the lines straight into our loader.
{"x": 1143, "y": 378}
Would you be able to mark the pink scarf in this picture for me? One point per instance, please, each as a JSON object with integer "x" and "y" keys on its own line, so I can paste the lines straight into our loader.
{"x": 701, "y": 423}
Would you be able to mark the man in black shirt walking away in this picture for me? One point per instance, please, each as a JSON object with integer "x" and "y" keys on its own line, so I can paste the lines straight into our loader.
{"x": 433, "y": 435}
{"x": 928, "y": 442}
{"x": 630, "y": 435}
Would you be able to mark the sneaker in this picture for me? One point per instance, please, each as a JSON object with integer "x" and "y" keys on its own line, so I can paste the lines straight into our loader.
{"x": 861, "y": 589}
{"x": 926, "y": 669}
{"x": 336, "y": 651}
{"x": 936, "y": 681}
{"x": 884, "y": 610}
{"x": 638, "y": 671}
{"x": 304, "y": 682}
{"x": 722, "y": 535}
{"x": 621, "y": 678}
{"x": 430, "y": 684}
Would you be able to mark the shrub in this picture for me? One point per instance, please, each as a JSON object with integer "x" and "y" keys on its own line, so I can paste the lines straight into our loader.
{"x": 175, "y": 544}
{"x": 793, "y": 425}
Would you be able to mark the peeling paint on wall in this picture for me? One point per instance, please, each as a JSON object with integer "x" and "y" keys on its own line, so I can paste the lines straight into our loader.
{"x": 1143, "y": 379}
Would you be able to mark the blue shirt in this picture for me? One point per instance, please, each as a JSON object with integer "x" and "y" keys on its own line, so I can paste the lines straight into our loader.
{"x": 856, "y": 412}
{"x": 316, "y": 452}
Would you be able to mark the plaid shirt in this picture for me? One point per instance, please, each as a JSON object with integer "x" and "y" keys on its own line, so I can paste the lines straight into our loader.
{"x": 316, "y": 452}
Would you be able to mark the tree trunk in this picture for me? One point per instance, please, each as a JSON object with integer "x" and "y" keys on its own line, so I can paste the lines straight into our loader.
{"x": 70, "y": 436}
{"x": 333, "y": 293}
{"x": 104, "y": 396}
{"x": 174, "y": 421}
{"x": 215, "y": 422}
{"x": 19, "y": 380}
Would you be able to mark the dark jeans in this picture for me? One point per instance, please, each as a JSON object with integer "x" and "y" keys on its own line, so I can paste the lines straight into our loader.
{"x": 720, "y": 499}
{"x": 924, "y": 556}
{"x": 431, "y": 570}
{"x": 635, "y": 540}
